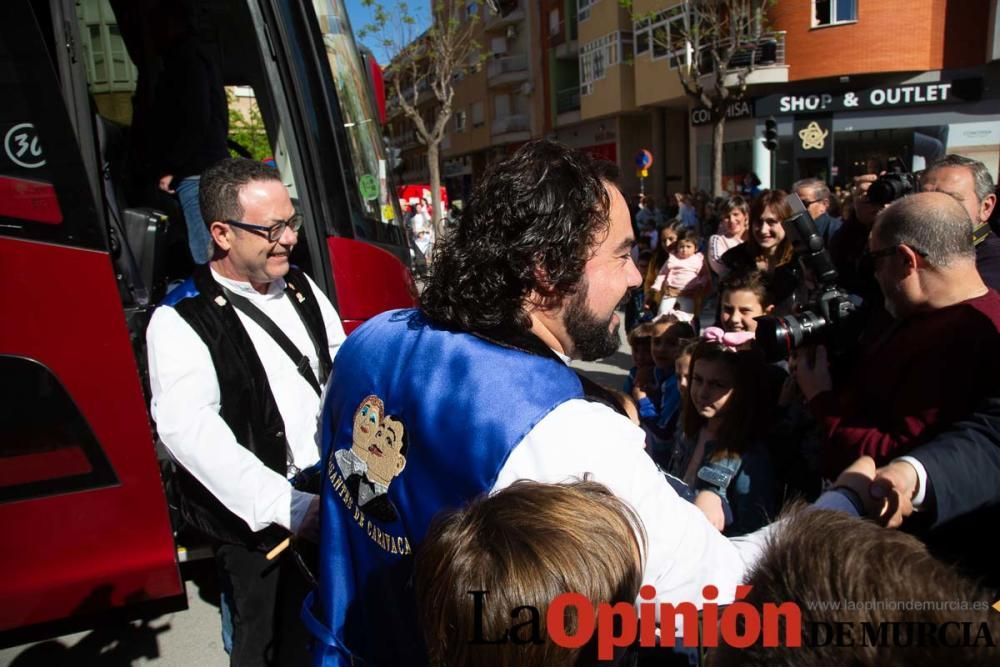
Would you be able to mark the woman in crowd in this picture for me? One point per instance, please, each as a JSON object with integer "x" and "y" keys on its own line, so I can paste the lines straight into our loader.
{"x": 768, "y": 249}
{"x": 734, "y": 216}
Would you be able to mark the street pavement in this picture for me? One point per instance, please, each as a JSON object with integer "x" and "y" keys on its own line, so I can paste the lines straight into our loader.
{"x": 192, "y": 637}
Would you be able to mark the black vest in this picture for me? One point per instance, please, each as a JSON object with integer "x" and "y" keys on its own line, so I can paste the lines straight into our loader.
{"x": 247, "y": 403}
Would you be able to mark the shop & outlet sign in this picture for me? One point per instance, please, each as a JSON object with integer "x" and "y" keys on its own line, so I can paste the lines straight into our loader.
{"x": 885, "y": 97}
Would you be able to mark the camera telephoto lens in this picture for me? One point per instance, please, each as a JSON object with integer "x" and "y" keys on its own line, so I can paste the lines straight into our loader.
{"x": 775, "y": 338}
{"x": 778, "y": 337}
{"x": 890, "y": 187}
{"x": 885, "y": 190}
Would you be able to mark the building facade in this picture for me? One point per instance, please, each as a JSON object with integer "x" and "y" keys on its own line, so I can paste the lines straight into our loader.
{"x": 851, "y": 84}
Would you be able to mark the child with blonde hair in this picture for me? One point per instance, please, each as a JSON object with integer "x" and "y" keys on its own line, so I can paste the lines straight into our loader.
{"x": 522, "y": 547}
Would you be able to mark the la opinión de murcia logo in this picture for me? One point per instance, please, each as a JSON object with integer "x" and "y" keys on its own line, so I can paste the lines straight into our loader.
{"x": 739, "y": 625}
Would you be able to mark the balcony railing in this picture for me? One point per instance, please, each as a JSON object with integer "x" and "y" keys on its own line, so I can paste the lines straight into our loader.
{"x": 568, "y": 99}
{"x": 512, "y": 123}
{"x": 495, "y": 21}
{"x": 769, "y": 52}
{"x": 506, "y": 65}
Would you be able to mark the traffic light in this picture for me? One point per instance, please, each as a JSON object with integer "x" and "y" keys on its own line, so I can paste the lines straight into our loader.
{"x": 771, "y": 134}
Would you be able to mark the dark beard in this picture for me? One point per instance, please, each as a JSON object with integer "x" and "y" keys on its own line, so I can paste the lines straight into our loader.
{"x": 591, "y": 336}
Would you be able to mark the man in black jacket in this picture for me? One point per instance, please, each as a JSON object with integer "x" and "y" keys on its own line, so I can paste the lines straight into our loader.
{"x": 191, "y": 119}
{"x": 952, "y": 483}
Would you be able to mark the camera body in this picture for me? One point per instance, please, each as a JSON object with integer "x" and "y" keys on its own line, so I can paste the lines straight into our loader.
{"x": 895, "y": 184}
{"x": 829, "y": 316}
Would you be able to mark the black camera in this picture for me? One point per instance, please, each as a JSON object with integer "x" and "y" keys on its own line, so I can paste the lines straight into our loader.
{"x": 892, "y": 185}
{"x": 829, "y": 316}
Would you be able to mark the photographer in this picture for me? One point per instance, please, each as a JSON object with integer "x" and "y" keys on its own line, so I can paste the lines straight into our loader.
{"x": 938, "y": 358}
{"x": 848, "y": 244}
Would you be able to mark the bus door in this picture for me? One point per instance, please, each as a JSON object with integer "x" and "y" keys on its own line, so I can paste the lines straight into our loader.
{"x": 85, "y": 523}
{"x": 316, "y": 69}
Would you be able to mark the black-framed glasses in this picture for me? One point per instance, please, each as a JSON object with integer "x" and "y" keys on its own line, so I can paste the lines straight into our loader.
{"x": 274, "y": 232}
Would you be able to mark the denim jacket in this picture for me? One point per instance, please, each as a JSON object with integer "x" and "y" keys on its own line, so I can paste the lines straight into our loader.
{"x": 752, "y": 491}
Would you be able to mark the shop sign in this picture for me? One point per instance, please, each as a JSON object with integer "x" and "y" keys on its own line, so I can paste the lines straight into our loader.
{"x": 740, "y": 109}
{"x": 885, "y": 97}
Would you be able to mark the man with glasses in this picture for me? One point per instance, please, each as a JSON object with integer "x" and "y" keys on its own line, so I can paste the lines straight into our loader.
{"x": 238, "y": 355}
{"x": 939, "y": 358}
{"x": 815, "y": 194}
{"x": 970, "y": 183}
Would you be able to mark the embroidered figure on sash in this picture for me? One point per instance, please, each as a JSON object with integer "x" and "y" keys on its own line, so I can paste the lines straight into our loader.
{"x": 376, "y": 456}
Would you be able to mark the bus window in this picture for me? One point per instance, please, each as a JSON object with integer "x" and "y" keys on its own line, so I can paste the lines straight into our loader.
{"x": 47, "y": 447}
{"x": 43, "y": 193}
{"x": 380, "y": 220}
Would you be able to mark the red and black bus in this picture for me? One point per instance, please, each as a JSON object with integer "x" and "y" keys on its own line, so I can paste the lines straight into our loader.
{"x": 86, "y": 253}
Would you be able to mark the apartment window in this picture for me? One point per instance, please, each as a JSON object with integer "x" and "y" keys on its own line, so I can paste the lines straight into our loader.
{"x": 598, "y": 55}
{"x": 477, "y": 114}
{"x": 554, "y": 22}
{"x": 832, "y": 12}
{"x": 583, "y": 9}
{"x": 460, "y": 121}
{"x": 641, "y": 36}
{"x": 109, "y": 67}
{"x": 662, "y": 32}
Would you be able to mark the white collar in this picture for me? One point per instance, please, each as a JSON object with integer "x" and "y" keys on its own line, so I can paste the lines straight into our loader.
{"x": 275, "y": 287}
{"x": 562, "y": 356}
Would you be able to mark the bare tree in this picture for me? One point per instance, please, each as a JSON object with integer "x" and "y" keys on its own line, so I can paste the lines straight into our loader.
{"x": 430, "y": 60}
{"x": 720, "y": 44}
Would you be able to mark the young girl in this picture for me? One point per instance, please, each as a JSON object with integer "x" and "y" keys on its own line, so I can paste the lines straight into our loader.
{"x": 744, "y": 296}
{"x": 682, "y": 279}
{"x": 682, "y": 371}
{"x": 721, "y": 455}
{"x": 732, "y": 232}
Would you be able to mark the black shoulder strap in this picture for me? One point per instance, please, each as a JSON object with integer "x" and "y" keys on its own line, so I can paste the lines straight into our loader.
{"x": 304, "y": 301}
{"x": 300, "y": 360}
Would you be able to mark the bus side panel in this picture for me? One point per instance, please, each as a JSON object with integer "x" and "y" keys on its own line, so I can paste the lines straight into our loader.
{"x": 368, "y": 280}
{"x": 66, "y": 550}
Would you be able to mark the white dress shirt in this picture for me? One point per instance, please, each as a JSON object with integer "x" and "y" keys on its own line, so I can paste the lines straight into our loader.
{"x": 186, "y": 401}
{"x": 684, "y": 552}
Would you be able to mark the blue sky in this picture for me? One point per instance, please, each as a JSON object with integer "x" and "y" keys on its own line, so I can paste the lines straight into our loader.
{"x": 362, "y": 16}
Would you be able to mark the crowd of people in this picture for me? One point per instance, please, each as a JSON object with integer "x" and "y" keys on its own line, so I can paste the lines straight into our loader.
{"x": 466, "y": 474}
{"x": 782, "y": 428}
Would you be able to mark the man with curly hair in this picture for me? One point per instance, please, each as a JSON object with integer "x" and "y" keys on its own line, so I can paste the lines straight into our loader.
{"x": 477, "y": 376}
